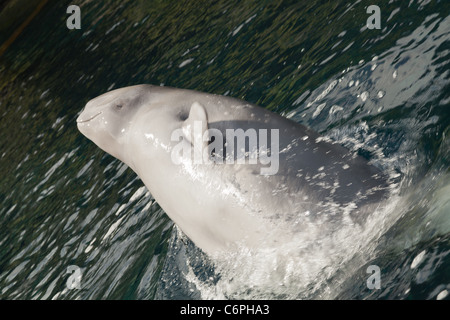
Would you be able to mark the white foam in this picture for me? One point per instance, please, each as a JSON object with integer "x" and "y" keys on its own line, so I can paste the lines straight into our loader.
{"x": 364, "y": 96}
{"x": 394, "y": 75}
{"x": 418, "y": 259}
{"x": 442, "y": 295}
{"x": 185, "y": 62}
{"x": 138, "y": 193}
{"x": 318, "y": 110}
{"x": 301, "y": 264}
{"x": 111, "y": 229}
{"x": 237, "y": 30}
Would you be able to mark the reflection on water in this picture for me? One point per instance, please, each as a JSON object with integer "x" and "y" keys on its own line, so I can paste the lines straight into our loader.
{"x": 381, "y": 93}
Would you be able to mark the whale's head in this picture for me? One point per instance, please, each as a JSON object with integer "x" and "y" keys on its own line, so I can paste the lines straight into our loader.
{"x": 106, "y": 119}
{"x": 137, "y": 124}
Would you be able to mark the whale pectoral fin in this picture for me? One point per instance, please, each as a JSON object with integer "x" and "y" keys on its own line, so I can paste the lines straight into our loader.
{"x": 196, "y": 125}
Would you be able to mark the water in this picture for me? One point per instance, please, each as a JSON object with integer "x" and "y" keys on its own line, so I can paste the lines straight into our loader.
{"x": 382, "y": 93}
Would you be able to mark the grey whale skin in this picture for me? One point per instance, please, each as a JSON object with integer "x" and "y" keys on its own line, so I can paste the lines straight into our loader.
{"x": 224, "y": 206}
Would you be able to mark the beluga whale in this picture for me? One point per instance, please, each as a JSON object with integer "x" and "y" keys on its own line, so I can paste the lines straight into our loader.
{"x": 231, "y": 174}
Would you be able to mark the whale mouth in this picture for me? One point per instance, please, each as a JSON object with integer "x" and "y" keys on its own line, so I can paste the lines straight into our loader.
{"x": 87, "y": 120}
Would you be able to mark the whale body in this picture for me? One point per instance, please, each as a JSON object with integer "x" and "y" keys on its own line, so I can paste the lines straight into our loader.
{"x": 227, "y": 171}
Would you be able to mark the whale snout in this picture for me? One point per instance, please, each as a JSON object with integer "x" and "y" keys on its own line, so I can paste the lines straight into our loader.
{"x": 86, "y": 118}
{"x": 93, "y": 109}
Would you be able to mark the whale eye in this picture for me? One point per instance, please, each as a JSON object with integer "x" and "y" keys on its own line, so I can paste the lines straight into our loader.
{"x": 118, "y": 106}
{"x": 183, "y": 115}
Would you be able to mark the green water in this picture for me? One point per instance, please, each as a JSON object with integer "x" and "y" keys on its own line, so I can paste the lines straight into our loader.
{"x": 64, "y": 202}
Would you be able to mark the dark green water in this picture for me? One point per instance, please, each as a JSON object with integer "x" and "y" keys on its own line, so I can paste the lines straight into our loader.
{"x": 382, "y": 93}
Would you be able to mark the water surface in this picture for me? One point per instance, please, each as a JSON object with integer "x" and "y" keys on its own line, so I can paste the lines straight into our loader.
{"x": 383, "y": 94}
